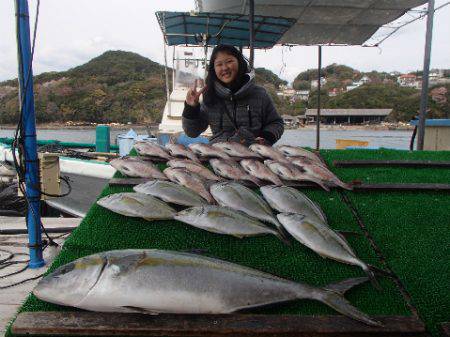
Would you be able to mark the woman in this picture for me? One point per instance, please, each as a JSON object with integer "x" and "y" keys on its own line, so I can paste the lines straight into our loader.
{"x": 233, "y": 106}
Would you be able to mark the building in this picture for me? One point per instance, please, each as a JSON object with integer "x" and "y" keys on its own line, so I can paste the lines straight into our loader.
{"x": 289, "y": 120}
{"x": 335, "y": 91}
{"x": 348, "y": 116}
{"x": 407, "y": 80}
{"x": 315, "y": 83}
{"x": 302, "y": 94}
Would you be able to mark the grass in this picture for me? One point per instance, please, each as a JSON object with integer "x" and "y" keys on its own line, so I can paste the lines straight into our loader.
{"x": 411, "y": 229}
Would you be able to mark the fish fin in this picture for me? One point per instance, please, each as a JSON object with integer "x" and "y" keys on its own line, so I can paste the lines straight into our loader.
{"x": 345, "y": 285}
{"x": 198, "y": 251}
{"x": 337, "y": 301}
{"x": 371, "y": 276}
{"x": 131, "y": 309}
{"x": 379, "y": 271}
{"x": 347, "y": 234}
{"x": 283, "y": 236}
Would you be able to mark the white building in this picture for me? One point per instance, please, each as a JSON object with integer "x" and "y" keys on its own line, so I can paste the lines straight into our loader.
{"x": 315, "y": 83}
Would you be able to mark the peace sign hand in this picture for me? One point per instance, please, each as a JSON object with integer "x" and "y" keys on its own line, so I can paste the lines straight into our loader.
{"x": 193, "y": 95}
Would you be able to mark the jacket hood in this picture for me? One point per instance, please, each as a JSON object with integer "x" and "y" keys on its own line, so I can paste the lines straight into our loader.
{"x": 224, "y": 92}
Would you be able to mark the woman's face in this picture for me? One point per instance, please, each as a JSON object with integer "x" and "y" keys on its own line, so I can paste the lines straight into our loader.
{"x": 226, "y": 67}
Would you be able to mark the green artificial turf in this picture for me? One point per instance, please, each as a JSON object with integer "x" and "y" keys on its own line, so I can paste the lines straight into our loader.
{"x": 412, "y": 230}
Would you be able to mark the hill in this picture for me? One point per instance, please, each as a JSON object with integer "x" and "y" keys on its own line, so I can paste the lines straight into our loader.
{"x": 405, "y": 102}
{"x": 117, "y": 86}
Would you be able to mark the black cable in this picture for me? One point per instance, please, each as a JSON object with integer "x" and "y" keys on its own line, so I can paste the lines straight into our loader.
{"x": 18, "y": 141}
{"x": 413, "y": 137}
{"x": 21, "y": 282}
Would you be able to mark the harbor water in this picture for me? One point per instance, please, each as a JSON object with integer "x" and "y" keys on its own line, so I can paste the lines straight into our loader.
{"x": 394, "y": 139}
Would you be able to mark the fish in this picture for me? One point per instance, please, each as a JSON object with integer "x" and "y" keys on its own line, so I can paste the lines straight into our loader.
{"x": 193, "y": 167}
{"x": 206, "y": 150}
{"x": 286, "y": 199}
{"x": 306, "y": 161}
{"x": 323, "y": 240}
{"x": 231, "y": 170}
{"x": 323, "y": 174}
{"x": 260, "y": 171}
{"x": 136, "y": 167}
{"x": 224, "y": 220}
{"x": 171, "y": 192}
{"x": 190, "y": 180}
{"x": 291, "y": 172}
{"x": 235, "y": 149}
{"x": 137, "y": 205}
{"x": 151, "y": 149}
{"x": 241, "y": 198}
{"x": 268, "y": 152}
{"x": 151, "y": 281}
{"x": 296, "y": 151}
{"x": 179, "y": 150}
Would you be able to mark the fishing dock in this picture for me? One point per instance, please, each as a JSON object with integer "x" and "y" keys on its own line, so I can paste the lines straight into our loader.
{"x": 404, "y": 232}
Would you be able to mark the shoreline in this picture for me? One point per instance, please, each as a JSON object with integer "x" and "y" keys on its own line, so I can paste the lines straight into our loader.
{"x": 401, "y": 126}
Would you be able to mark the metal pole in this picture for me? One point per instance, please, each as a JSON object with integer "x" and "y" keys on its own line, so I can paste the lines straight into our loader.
{"x": 29, "y": 134}
{"x": 251, "y": 27}
{"x": 166, "y": 74}
{"x": 319, "y": 69}
{"x": 426, "y": 71}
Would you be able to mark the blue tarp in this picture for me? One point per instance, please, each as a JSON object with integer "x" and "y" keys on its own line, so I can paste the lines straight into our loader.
{"x": 181, "y": 28}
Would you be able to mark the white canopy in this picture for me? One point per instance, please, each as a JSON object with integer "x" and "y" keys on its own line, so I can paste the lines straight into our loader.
{"x": 347, "y": 22}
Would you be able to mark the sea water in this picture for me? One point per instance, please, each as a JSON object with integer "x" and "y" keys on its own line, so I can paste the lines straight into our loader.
{"x": 394, "y": 139}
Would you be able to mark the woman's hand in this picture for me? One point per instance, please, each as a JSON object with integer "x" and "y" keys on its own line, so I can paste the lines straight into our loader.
{"x": 193, "y": 95}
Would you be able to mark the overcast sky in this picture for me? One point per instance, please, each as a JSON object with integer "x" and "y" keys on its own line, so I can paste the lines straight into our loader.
{"x": 70, "y": 33}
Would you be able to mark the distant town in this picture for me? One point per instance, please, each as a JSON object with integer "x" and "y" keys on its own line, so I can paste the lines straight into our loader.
{"x": 439, "y": 80}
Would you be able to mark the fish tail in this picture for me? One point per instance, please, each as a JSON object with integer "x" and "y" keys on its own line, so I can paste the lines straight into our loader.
{"x": 340, "y": 183}
{"x": 371, "y": 275}
{"x": 333, "y": 296}
{"x": 283, "y": 236}
{"x": 320, "y": 183}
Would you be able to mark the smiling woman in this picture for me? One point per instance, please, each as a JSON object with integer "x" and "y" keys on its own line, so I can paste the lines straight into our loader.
{"x": 233, "y": 106}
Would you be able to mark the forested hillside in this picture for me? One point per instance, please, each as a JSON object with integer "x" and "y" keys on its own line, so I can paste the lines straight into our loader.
{"x": 120, "y": 86}
{"x": 116, "y": 86}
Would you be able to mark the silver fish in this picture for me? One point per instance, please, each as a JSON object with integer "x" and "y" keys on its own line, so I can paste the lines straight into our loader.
{"x": 260, "y": 171}
{"x": 171, "y": 192}
{"x": 290, "y": 200}
{"x": 268, "y": 152}
{"x": 157, "y": 281}
{"x": 224, "y": 220}
{"x": 296, "y": 151}
{"x": 235, "y": 149}
{"x": 241, "y": 198}
{"x": 137, "y": 205}
{"x": 152, "y": 149}
{"x": 323, "y": 174}
{"x": 231, "y": 170}
{"x": 317, "y": 236}
{"x": 291, "y": 172}
{"x": 305, "y": 161}
{"x": 193, "y": 167}
{"x": 179, "y": 150}
{"x": 136, "y": 167}
{"x": 206, "y": 150}
{"x": 189, "y": 180}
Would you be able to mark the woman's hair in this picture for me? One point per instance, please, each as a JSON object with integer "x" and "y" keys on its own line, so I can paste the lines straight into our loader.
{"x": 210, "y": 93}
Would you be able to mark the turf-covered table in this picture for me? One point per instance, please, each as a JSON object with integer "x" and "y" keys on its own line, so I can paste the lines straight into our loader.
{"x": 412, "y": 230}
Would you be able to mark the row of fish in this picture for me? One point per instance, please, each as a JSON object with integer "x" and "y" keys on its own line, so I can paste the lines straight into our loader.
{"x": 155, "y": 281}
{"x": 304, "y": 166}
{"x": 241, "y": 213}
